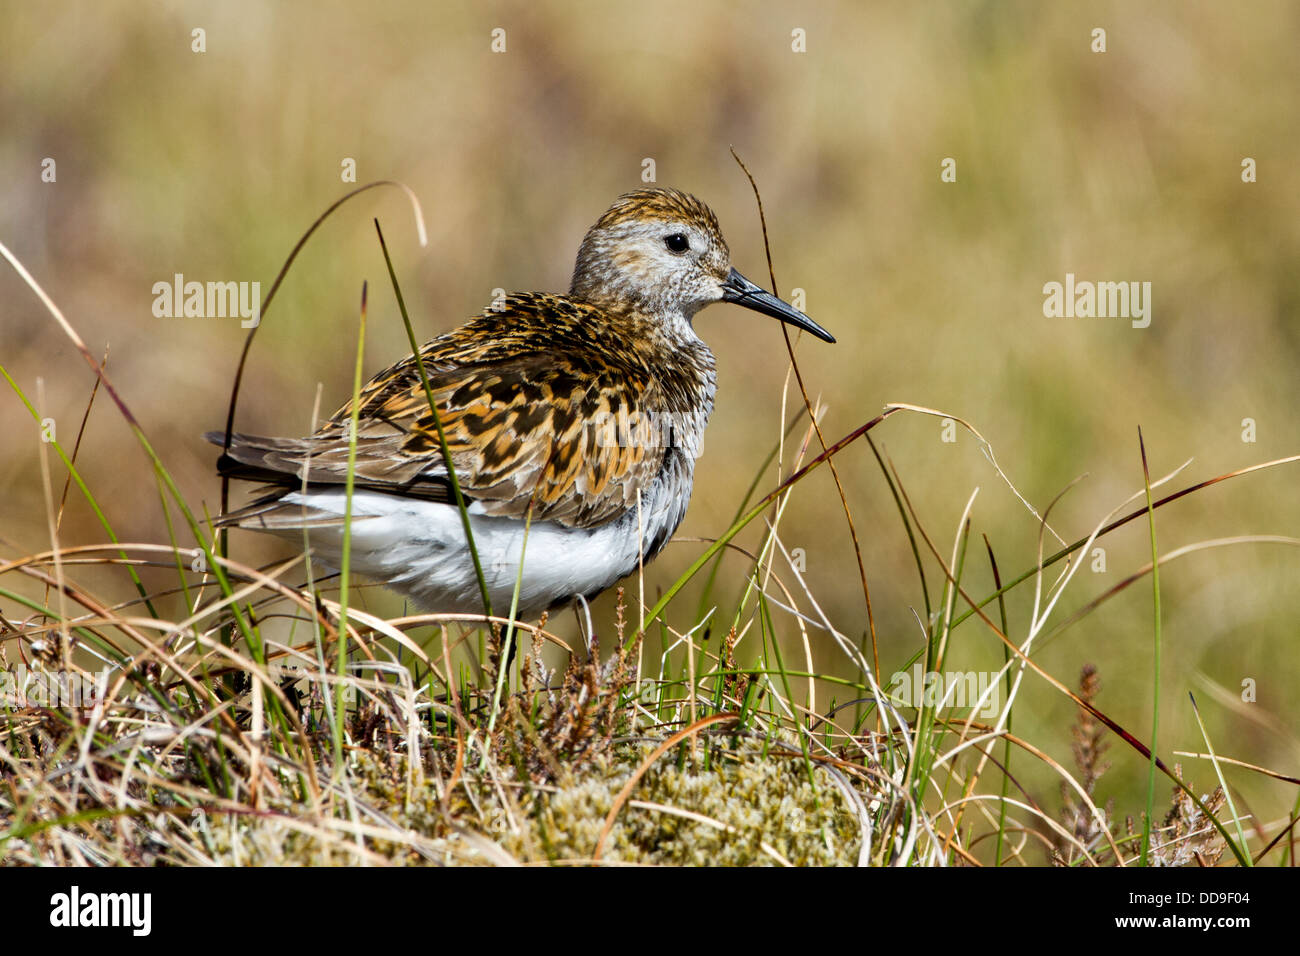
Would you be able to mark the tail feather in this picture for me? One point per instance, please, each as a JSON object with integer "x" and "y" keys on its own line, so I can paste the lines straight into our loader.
{"x": 286, "y": 462}
{"x": 272, "y": 513}
{"x": 259, "y": 458}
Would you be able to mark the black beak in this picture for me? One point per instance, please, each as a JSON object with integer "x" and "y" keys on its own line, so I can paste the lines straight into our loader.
{"x": 741, "y": 291}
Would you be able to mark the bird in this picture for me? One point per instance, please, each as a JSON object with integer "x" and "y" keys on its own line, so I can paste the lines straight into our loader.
{"x": 573, "y": 424}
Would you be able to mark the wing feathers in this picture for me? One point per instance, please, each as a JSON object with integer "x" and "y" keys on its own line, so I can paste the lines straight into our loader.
{"x": 517, "y": 393}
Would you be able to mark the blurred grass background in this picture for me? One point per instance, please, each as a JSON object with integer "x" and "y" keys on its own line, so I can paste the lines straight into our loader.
{"x": 1117, "y": 166}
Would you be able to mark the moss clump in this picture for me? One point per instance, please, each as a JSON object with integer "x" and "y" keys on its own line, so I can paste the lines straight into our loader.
{"x": 748, "y": 807}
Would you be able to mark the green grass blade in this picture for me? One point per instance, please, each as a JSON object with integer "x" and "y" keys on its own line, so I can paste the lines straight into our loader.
{"x": 346, "y": 563}
{"x": 437, "y": 424}
{"x": 1155, "y": 678}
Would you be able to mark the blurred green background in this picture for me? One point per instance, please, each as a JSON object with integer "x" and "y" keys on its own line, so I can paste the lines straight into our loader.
{"x": 1115, "y": 166}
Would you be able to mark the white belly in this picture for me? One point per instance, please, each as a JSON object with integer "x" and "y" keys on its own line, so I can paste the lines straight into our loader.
{"x": 418, "y": 549}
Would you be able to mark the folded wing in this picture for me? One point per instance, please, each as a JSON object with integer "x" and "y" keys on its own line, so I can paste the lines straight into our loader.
{"x": 527, "y": 398}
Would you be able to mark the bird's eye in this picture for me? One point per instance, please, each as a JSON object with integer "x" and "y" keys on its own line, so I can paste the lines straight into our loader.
{"x": 677, "y": 243}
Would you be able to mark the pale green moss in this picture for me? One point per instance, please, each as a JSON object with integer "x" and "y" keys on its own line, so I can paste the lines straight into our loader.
{"x": 766, "y": 806}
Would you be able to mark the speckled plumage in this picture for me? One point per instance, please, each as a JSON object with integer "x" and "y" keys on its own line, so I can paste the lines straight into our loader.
{"x": 522, "y": 392}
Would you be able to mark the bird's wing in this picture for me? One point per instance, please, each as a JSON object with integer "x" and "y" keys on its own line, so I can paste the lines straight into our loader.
{"x": 517, "y": 392}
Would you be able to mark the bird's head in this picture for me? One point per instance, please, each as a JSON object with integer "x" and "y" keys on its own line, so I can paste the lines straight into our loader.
{"x": 660, "y": 252}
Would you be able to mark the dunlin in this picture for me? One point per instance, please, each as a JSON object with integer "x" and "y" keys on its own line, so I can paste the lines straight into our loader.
{"x": 587, "y": 407}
